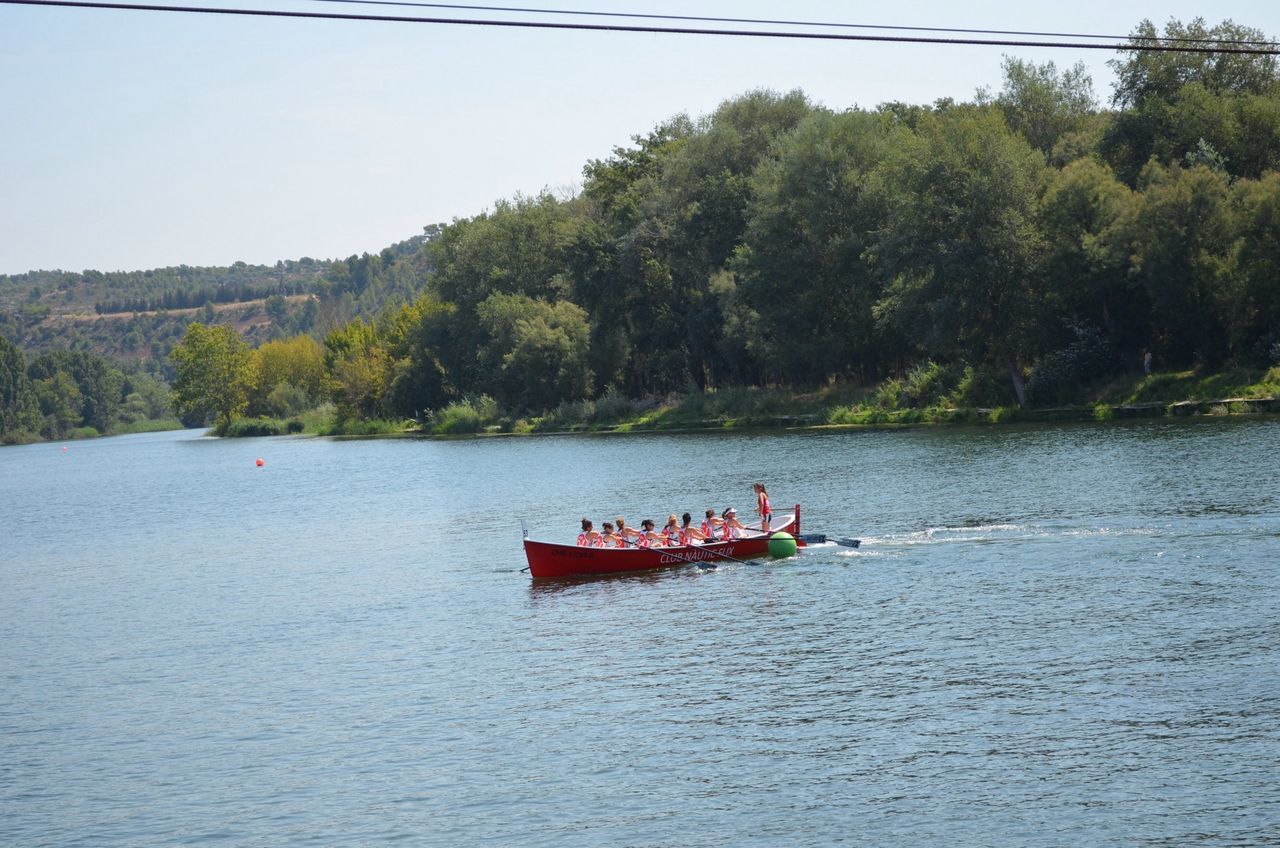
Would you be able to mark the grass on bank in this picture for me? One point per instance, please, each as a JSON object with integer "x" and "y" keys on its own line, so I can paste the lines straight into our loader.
{"x": 929, "y": 394}
{"x": 1177, "y": 386}
{"x": 148, "y": 425}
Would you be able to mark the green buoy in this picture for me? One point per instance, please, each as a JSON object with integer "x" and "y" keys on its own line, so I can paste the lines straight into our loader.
{"x": 782, "y": 545}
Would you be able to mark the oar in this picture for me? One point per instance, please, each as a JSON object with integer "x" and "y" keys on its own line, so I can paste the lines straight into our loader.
{"x": 819, "y": 538}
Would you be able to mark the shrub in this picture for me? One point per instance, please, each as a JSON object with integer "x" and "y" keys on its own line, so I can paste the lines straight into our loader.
{"x": 568, "y": 414}
{"x": 889, "y": 395}
{"x": 929, "y": 384}
{"x": 612, "y": 407}
{"x": 465, "y": 416}
{"x": 251, "y": 427}
{"x": 1059, "y": 376}
{"x": 981, "y": 387}
{"x": 369, "y": 427}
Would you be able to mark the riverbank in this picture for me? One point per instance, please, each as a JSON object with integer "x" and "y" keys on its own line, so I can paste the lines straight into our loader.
{"x": 894, "y": 403}
{"x": 148, "y": 425}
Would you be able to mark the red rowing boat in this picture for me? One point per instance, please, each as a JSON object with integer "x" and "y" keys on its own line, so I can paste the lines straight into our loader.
{"x": 549, "y": 560}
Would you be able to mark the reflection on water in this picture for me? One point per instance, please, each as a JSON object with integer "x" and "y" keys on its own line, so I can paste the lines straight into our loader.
{"x": 1059, "y": 635}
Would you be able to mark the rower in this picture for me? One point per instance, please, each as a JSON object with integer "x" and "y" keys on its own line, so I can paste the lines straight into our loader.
{"x": 610, "y": 538}
{"x": 674, "y": 535}
{"x": 730, "y": 526}
{"x": 589, "y": 537}
{"x": 690, "y": 533}
{"x": 624, "y": 531}
{"x": 710, "y": 524}
{"x": 648, "y": 538}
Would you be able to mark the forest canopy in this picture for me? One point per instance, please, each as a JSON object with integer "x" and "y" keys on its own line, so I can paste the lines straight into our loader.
{"x": 1030, "y": 233}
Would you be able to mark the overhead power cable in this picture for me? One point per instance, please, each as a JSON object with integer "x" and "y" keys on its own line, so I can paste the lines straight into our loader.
{"x": 549, "y": 25}
{"x": 779, "y": 22}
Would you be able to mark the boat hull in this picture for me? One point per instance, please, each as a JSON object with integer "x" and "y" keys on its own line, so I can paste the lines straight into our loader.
{"x": 551, "y": 561}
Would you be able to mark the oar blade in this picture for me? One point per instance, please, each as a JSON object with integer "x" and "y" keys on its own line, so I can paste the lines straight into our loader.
{"x": 822, "y": 538}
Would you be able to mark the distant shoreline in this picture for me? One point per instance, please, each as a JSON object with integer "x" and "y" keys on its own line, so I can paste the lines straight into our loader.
{"x": 666, "y": 420}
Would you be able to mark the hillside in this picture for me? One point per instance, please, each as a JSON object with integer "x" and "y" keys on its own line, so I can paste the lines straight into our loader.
{"x": 140, "y": 315}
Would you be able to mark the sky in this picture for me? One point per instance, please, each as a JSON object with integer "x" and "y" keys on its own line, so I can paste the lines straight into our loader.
{"x": 133, "y": 140}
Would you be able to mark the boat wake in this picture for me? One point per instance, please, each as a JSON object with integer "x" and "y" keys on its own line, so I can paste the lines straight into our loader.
{"x": 994, "y": 533}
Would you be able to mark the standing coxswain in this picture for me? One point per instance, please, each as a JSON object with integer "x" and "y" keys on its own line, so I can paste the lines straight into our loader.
{"x": 762, "y": 506}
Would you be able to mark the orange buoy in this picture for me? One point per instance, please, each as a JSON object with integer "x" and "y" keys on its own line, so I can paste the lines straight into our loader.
{"x": 260, "y": 463}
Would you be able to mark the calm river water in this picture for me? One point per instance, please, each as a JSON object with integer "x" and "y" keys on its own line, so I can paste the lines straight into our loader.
{"x": 1051, "y": 636}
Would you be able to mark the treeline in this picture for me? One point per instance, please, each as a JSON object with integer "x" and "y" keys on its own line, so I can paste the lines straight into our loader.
{"x": 192, "y": 298}
{"x": 65, "y": 289}
{"x": 74, "y": 394}
{"x": 1027, "y": 243}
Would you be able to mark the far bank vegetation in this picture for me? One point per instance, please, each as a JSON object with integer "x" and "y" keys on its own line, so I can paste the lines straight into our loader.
{"x": 1026, "y": 249}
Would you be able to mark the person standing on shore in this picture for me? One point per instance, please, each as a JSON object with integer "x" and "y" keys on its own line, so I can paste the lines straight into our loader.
{"x": 1146, "y": 362}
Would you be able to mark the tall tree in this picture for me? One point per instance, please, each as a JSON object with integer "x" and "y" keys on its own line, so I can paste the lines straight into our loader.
{"x": 292, "y": 366}
{"x": 961, "y": 247}
{"x": 1142, "y": 74}
{"x": 1253, "y": 310}
{"x": 1086, "y": 261}
{"x": 18, "y": 408}
{"x": 801, "y": 266}
{"x": 1043, "y": 103}
{"x": 215, "y": 373}
{"x": 536, "y": 356}
{"x": 1179, "y": 233}
{"x": 99, "y": 386}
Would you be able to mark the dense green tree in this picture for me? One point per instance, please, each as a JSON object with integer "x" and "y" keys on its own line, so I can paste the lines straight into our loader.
{"x": 801, "y": 266}
{"x": 276, "y": 308}
{"x": 1179, "y": 233}
{"x": 1241, "y": 133}
{"x": 697, "y": 215}
{"x": 961, "y": 247}
{"x": 665, "y": 219}
{"x": 619, "y": 185}
{"x": 1043, "y": 103}
{"x": 360, "y": 367}
{"x": 1145, "y": 74}
{"x": 60, "y": 404}
{"x": 515, "y": 249}
{"x": 19, "y": 411}
{"x": 1086, "y": 259}
{"x": 430, "y": 332}
{"x": 1252, "y": 300}
{"x": 292, "y": 370}
{"x": 216, "y": 371}
{"x": 146, "y": 397}
{"x": 537, "y": 353}
{"x": 1177, "y": 103}
{"x": 390, "y": 367}
{"x": 99, "y": 385}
